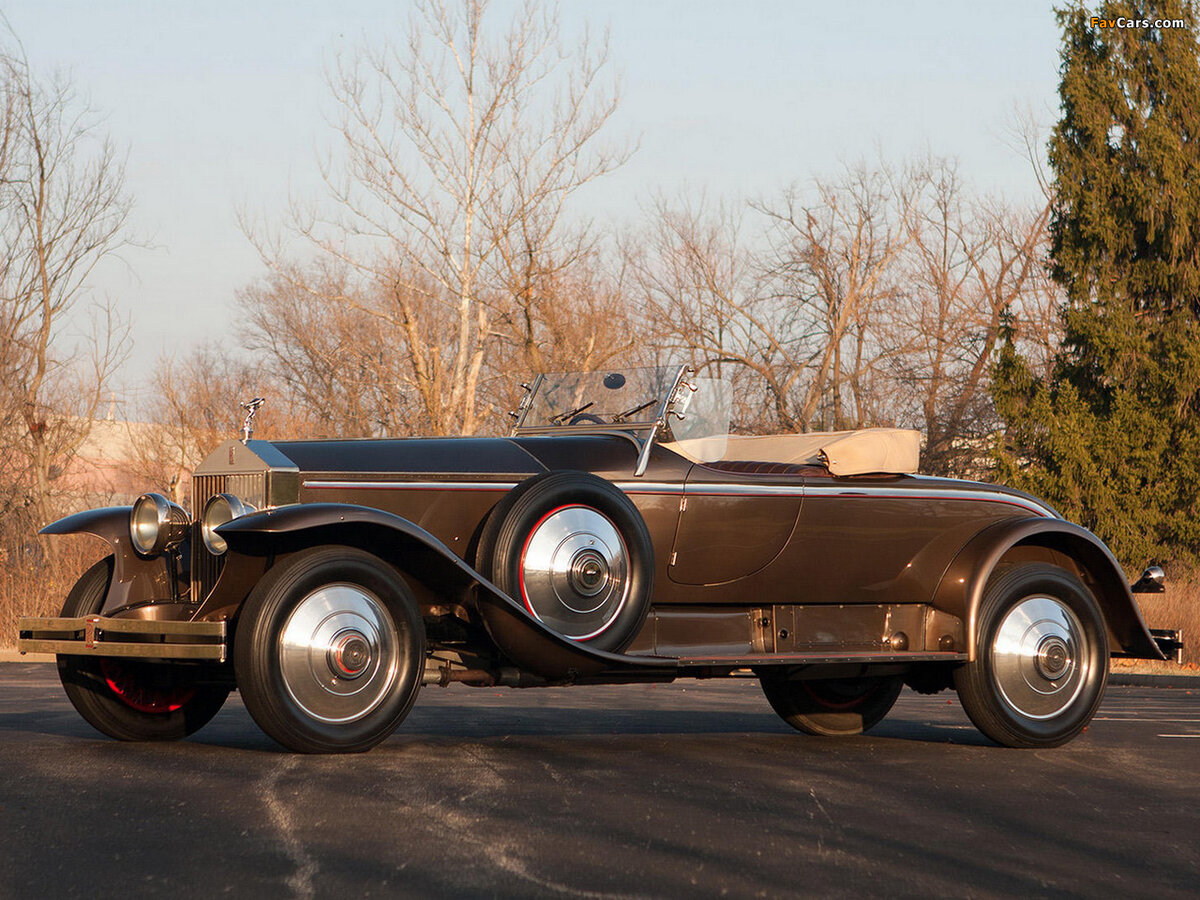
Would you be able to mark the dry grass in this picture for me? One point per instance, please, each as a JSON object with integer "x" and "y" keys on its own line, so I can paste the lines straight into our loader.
{"x": 36, "y": 582}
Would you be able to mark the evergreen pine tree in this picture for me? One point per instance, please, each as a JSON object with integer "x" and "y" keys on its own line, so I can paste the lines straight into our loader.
{"x": 1112, "y": 437}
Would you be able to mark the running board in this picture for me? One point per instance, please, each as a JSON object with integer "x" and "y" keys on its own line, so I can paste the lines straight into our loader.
{"x": 805, "y": 659}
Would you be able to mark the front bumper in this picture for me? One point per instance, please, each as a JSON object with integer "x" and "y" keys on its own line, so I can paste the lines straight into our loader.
{"x": 102, "y": 636}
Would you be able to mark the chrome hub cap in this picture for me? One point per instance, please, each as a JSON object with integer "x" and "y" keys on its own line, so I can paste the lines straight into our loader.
{"x": 1039, "y": 657}
{"x": 574, "y": 573}
{"x": 350, "y": 654}
{"x": 589, "y": 574}
{"x": 337, "y": 653}
{"x": 1053, "y": 658}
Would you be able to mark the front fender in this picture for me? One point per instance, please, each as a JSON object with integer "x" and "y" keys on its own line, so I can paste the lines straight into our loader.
{"x": 110, "y": 523}
{"x": 135, "y": 579}
{"x": 419, "y": 554}
{"x": 962, "y": 587}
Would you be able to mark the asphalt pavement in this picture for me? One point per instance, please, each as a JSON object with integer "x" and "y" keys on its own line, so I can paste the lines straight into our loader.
{"x": 690, "y": 789}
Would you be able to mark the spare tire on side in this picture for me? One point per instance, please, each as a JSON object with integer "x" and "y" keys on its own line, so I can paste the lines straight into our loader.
{"x": 572, "y": 549}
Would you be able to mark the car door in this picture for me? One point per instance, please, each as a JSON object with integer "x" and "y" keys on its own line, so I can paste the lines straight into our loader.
{"x": 732, "y": 522}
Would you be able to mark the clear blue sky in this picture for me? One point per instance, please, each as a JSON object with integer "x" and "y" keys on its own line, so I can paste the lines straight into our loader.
{"x": 222, "y": 106}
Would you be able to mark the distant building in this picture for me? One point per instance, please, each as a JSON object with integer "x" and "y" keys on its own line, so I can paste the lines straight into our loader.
{"x": 112, "y": 465}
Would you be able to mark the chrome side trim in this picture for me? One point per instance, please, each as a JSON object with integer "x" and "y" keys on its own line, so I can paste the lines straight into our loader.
{"x": 917, "y": 493}
{"x": 410, "y": 485}
{"x": 649, "y": 487}
{"x": 847, "y": 492}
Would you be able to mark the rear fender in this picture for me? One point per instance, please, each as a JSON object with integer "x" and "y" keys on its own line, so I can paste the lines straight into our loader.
{"x": 962, "y": 587}
{"x": 135, "y": 579}
{"x": 418, "y": 554}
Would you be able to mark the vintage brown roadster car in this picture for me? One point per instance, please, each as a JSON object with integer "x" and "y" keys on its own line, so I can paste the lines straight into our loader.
{"x": 619, "y": 535}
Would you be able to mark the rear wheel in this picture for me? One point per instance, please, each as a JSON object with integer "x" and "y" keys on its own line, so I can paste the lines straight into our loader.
{"x": 329, "y": 651}
{"x": 129, "y": 699}
{"x": 1041, "y": 659}
{"x": 832, "y": 707}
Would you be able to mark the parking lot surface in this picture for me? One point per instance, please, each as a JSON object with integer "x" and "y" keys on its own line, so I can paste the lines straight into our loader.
{"x": 690, "y": 789}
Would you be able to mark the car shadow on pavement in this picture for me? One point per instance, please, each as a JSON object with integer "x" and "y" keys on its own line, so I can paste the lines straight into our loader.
{"x": 36, "y": 705}
{"x": 234, "y": 729}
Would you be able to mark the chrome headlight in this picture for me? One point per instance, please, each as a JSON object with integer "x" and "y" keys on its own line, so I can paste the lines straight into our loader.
{"x": 219, "y": 509}
{"x": 156, "y": 524}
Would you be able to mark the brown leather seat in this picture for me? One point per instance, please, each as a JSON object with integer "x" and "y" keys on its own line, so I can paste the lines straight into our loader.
{"x": 756, "y": 467}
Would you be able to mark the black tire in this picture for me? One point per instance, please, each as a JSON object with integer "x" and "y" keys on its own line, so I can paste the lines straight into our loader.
{"x": 127, "y": 699}
{"x": 830, "y": 707}
{"x": 1041, "y": 658}
{"x": 329, "y": 651}
{"x": 604, "y": 559}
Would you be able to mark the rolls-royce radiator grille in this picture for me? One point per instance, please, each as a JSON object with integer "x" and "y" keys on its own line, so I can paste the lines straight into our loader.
{"x": 205, "y": 566}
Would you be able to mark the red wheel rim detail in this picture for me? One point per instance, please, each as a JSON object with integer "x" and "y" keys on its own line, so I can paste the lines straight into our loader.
{"x": 525, "y": 549}
{"x": 840, "y": 705}
{"x": 525, "y": 598}
{"x": 136, "y": 695}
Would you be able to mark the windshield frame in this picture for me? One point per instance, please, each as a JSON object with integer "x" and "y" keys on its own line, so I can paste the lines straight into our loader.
{"x": 649, "y": 428}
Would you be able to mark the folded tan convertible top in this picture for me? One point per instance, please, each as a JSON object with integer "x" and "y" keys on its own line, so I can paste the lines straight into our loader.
{"x": 868, "y": 450}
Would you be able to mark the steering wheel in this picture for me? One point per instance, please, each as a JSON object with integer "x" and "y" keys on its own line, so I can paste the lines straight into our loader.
{"x": 586, "y": 418}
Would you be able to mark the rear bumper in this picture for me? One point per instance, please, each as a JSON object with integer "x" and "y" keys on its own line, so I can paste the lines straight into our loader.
{"x": 1170, "y": 642}
{"x": 144, "y": 638}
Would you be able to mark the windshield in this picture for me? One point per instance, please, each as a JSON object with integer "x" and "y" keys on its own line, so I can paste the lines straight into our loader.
{"x": 688, "y": 408}
{"x": 626, "y": 397}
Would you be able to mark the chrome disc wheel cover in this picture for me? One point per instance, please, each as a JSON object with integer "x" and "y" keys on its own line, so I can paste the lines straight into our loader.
{"x": 338, "y": 653}
{"x": 1039, "y": 658}
{"x": 574, "y": 572}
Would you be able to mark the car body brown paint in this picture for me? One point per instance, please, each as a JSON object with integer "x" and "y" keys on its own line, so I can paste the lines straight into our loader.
{"x": 135, "y": 579}
{"x": 961, "y": 589}
{"x": 741, "y": 557}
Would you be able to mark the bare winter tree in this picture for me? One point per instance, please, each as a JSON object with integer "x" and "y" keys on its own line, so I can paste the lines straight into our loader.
{"x": 337, "y": 361}
{"x": 803, "y": 315}
{"x": 832, "y": 259}
{"x": 875, "y": 298}
{"x": 460, "y": 147}
{"x": 63, "y": 209}
{"x": 967, "y": 263}
{"x": 577, "y": 320}
{"x": 700, "y": 293}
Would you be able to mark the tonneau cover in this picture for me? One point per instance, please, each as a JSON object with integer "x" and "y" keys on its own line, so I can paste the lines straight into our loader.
{"x": 867, "y": 450}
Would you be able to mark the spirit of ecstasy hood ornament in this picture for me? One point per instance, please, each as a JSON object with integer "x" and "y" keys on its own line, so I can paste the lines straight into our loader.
{"x": 251, "y": 407}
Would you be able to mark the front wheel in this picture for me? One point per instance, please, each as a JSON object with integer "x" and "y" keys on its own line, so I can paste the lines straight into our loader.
{"x": 1041, "y": 659}
{"x": 329, "y": 651}
{"x": 129, "y": 699}
{"x": 832, "y": 707}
